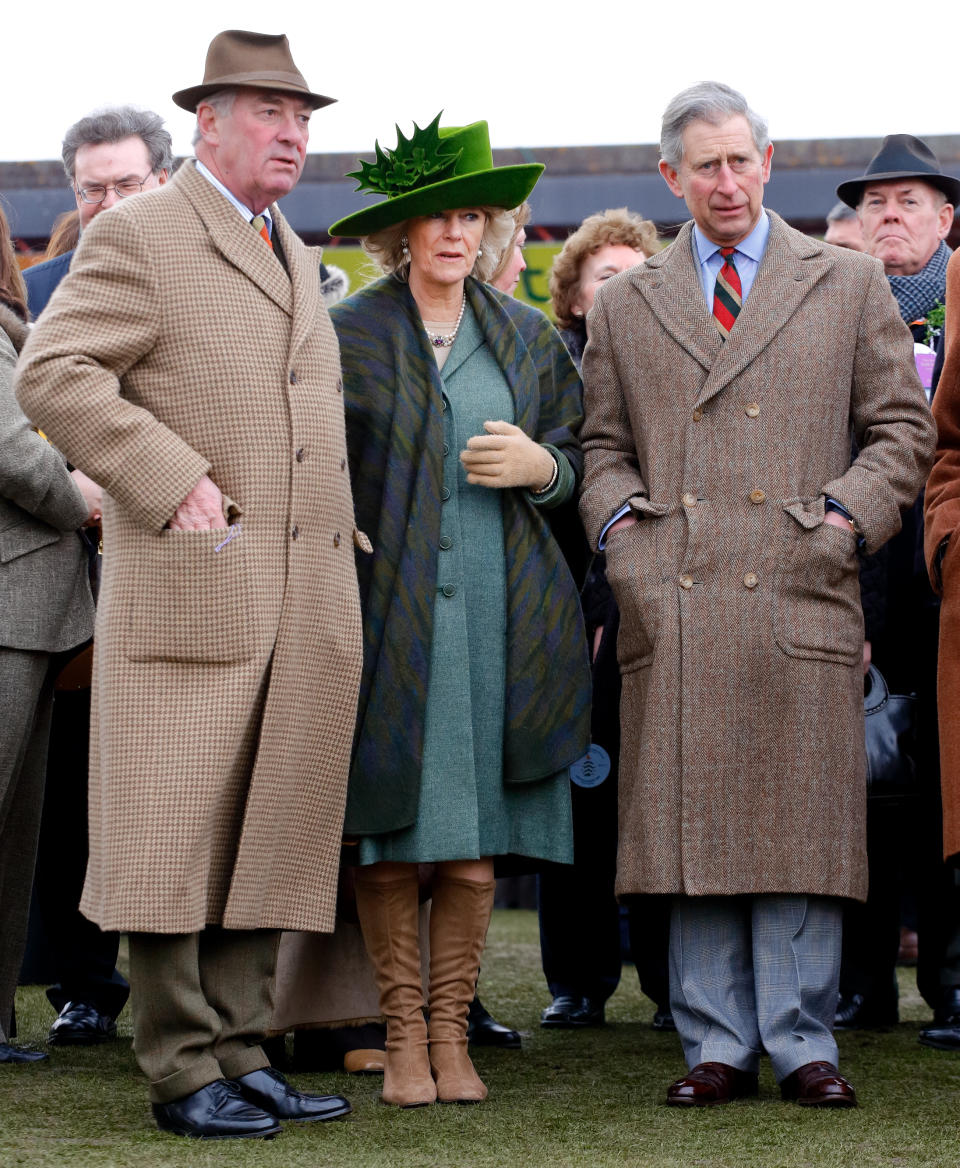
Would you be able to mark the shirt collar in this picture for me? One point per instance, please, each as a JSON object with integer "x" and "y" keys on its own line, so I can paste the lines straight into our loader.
{"x": 231, "y": 197}
{"x": 753, "y": 246}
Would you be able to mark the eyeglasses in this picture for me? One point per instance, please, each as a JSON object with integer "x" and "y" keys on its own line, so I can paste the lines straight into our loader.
{"x": 125, "y": 188}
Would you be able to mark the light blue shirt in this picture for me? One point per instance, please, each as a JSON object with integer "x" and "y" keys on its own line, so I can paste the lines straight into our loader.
{"x": 746, "y": 258}
{"x": 231, "y": 197}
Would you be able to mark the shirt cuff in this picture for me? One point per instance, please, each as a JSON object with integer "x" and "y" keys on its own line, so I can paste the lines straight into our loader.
{"x": 602, "y": 541}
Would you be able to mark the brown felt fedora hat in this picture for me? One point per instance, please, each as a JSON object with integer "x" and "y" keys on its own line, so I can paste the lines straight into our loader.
{"x": 256, "y": 59}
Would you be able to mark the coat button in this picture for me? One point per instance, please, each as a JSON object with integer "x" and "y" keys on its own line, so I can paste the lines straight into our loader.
{"x": 449, "y": 590}
{"x": 336, "y": 539}
{"x": 689, "y": 500}
{"x": 443, "y": 406}
{"x": 752, "y": 410}
{"x": 446, "y": 543}
{"x": 750, "y": 580}
{"x": 757, "y": 497}
{"x": 300, "y": 455}
{"x": 343, "y": 464}
{"x": 293, "y": 377}
{"x": 697, "y": 414}
{"x": 295, "y": 533}
{"x": 339, "y": 385}
{"x": 446, "y": 450}
{"x": 685, "y": 581}
{"x": 444, "y": 493}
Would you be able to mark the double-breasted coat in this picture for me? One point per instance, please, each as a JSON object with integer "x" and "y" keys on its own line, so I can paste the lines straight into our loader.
{"x": 941, "y": 520}
{"x": 227, "y": 662}
{"x": 742, "y": 754}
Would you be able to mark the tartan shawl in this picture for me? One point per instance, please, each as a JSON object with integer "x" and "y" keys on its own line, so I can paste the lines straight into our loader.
{"x": 393, "y": 398}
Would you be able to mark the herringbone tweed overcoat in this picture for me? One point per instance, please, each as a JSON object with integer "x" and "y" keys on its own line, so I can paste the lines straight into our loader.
{"x": 227, "y": 662}
{"x": 742, "y": 756}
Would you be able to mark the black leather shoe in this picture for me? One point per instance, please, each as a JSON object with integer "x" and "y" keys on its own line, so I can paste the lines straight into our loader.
{"x": 854, "y": 1012}
{"x": 215, "y": 1112}
{"x": 567, "y": 1012}
{"x": 20, "y": 1054}
{"x": 663, "y": 1020}
{"x": 944, "y": 1034}
{"x": 81, "y": 1025}
{"x": 484, "y": 1030}
{"x": 268, "y": 1089}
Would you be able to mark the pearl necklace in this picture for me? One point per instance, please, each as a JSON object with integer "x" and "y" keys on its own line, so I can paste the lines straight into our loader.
{"x": 445, "y": 340}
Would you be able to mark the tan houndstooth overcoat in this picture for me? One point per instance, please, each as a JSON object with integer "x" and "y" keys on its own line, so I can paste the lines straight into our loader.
{"x": 227, "y": 662}
{"x": 742, "y": 758}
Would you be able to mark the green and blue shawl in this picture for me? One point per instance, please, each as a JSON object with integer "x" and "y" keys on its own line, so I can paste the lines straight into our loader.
{"x": 393, "y": 401}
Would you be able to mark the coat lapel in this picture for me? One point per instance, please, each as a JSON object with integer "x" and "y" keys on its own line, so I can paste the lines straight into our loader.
{"x": 303, "y": 264}
{"x": 791, "y": 266}
{"x": 236, "y": 240}
{"x": 670, "y": 284}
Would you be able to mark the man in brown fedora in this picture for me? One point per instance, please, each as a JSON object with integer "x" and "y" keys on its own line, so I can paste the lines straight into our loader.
{"x": 189, "y": 366}
{"x": 905, "y": 203}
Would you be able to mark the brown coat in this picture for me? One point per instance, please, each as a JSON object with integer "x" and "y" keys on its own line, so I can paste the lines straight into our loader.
{"x": 742, "y": 757}
{"x": 941, "y": 518}
{"x": 226, "y": 670}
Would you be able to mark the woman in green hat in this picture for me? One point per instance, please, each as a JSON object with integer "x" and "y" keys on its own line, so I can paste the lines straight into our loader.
{"x": 462, "y": 413}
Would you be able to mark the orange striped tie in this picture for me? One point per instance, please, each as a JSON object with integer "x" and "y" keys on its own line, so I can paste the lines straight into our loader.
{"x": 260, "y": 225}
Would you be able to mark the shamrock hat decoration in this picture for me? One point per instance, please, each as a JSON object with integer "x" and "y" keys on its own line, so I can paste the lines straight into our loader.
{"x": 436, "y": 169}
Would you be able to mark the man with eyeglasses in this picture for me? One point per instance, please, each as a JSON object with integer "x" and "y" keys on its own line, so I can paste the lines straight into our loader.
{"x": 108, "y": 155}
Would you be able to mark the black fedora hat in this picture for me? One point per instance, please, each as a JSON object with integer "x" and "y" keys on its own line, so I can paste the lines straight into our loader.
{"x": 901, "y": 156}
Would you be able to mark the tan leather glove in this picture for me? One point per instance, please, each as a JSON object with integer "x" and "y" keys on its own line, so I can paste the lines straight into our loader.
{"x": 506, "y": 457}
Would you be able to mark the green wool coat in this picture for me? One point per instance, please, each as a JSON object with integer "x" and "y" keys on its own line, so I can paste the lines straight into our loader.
{"x": 394, "y": 402}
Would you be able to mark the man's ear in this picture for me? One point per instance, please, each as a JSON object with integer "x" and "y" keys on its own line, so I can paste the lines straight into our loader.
{"x": 670, "y": 178}
{"x": 944, "y": 220}
{"x": 207, "y": 123}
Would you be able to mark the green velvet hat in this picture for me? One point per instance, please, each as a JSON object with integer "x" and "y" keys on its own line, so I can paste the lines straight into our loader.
{"x": 435, "y": 169}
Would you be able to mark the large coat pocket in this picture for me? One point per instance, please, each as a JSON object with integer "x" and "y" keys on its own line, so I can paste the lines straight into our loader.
{"x": 192, "y": 598}
{"x": 816, "y": 603}
{"x": 25, "y": 537}
{"x": 635, "y": 578}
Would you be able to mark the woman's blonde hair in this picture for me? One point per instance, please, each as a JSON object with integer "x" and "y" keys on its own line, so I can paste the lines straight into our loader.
{"x": 617, "y": 227}
{"x": 521, "y": 217}
{"x": 385, "y": 247}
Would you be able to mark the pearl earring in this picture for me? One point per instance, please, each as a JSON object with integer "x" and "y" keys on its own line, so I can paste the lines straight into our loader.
{"x": 479, "y": 252}
{"x": 404, "y": 248}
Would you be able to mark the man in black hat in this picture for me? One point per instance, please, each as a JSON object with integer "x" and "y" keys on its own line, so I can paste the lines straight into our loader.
{"x": 905, "y": 204}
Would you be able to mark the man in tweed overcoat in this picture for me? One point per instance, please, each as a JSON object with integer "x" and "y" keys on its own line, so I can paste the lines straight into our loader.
{"x": 718, "y": 475}
{"x": 188, "y": 363}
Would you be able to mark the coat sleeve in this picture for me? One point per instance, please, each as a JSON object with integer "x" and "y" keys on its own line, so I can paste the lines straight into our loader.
{"x": 32, "y": 473}
{"x": 891, "y": 420}
{"x": 104, "y": 317}
{"x": 611, "y": 470}
{"x": 942, "y": 502}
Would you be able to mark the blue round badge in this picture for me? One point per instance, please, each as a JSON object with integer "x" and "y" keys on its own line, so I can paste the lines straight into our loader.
{"x": 592, "y": 769}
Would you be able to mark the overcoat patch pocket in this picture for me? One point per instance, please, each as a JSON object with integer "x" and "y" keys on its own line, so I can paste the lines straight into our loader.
{"x": 25, "y": 537}
{"x": 634, "y": 576}
{"x": 192, "y": 598}
{"x": 816, "y": 610}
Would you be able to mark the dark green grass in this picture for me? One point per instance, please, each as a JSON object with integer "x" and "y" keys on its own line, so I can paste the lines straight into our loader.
{"x": 589, "y": 1099}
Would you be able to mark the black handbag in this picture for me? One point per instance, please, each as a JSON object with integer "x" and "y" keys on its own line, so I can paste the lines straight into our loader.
{"x": 890, "y": 723}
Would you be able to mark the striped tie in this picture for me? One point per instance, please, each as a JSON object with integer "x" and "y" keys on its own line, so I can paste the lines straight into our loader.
{"x": 259, "y": 224}
{"x": 727, "y": 294}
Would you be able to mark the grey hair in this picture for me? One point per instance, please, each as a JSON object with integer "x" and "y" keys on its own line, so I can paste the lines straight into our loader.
{"x": 708, "y": 101}
{"x": 221, "y": 101}
{"x": 385, "y": 247}
{"x": 113, "y": 125}
{"x": 840, "y": 211}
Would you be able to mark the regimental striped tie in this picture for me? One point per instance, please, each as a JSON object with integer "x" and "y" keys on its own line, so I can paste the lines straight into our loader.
{"x": 727, "y": 294}
{"x": 259, "y": 224}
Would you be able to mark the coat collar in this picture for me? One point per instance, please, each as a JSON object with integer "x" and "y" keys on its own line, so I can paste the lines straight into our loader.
{"x": 236, "y": 240}
{"x": 14, "y": 327}
{"x": 670, "y": 283}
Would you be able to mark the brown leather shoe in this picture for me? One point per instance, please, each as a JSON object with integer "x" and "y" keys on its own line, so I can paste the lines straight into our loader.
{"x": 818, "y": 1085}
{"x": 711, "y": 1083}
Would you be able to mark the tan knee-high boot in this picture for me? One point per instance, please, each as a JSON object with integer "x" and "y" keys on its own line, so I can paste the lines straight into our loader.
{"x": 389, "y": 916}
{"x": 459, "y": 917}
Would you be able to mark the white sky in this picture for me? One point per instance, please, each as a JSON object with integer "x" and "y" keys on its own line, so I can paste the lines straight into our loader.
{"x": 542, "y": 73}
